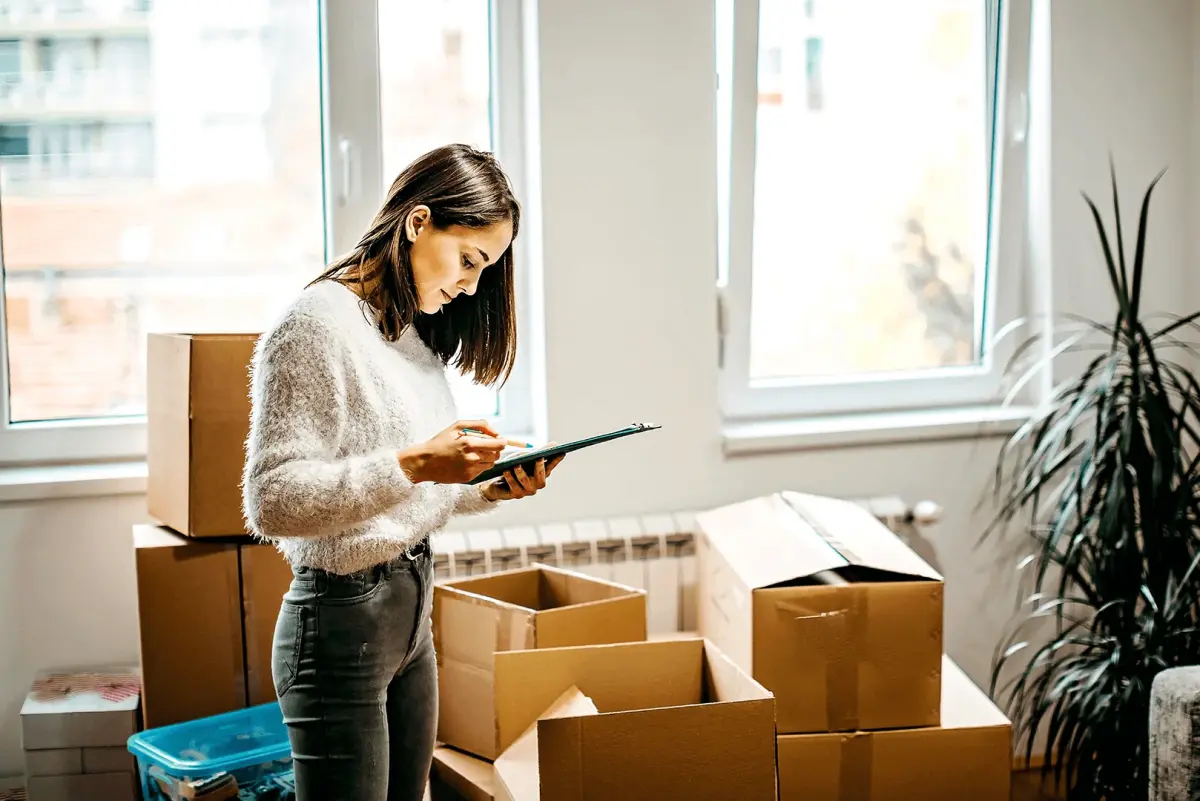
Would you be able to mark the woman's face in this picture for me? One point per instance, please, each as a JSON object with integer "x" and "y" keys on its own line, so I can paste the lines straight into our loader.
{"x": 449, "y": 261}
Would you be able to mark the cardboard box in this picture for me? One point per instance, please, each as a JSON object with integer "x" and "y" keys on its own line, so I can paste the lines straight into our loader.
{"x": 677, "y": 719}
{"x": 72, "y": 761}
{"x": 458, "y": 776}
{"x": 92, "y": 787}
{"x": 189, "y": 626}
{"x": 827, "y": 608}
{"x": 73, "y": 709}
{"x": 266, "y": 576}
{"x": 536, "y": 607}
{"x": 109, "y": 759}
{"x": 198, "y": 419}
{"x": 53, "y": 761}
{"x": 968, "y": 757}
{"x": 206, "y": 613}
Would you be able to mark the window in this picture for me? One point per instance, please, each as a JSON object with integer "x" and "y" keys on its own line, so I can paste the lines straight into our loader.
{"x": 870, "y": 205}
{"x": 14, "y": 141}
{"x": 208, "y": 207}
{"x": 10, "y": 57}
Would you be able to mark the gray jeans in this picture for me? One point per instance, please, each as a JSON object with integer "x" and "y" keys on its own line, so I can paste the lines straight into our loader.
{"x": 356, "y": 676}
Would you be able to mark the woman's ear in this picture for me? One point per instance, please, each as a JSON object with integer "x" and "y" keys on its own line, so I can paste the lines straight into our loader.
{"x": 416, "y": 221}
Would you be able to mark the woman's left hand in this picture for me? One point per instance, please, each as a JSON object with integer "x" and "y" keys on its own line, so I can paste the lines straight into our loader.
{"x": 518, "y": 483}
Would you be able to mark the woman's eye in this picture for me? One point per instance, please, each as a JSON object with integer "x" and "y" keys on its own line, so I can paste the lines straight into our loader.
{"x": 467, "y": 263}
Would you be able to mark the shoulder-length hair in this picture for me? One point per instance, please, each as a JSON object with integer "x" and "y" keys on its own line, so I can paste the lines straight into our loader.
{"x": 461, "y": 186}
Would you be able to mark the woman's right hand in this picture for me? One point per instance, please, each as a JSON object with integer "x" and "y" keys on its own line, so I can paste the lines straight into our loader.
{"x": 452, "y": 457}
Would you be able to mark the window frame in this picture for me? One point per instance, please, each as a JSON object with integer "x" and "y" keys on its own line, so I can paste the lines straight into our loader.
{"x": 1003, "y": 292}
{"x": 353, "y": 188}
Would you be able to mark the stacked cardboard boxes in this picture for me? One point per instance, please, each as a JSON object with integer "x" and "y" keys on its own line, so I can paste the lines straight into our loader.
{"x": 74, "y": 726}
{"x": 549, "y": 674}
{"x": 207, "y": 596}
{"x": 206, "y": 618}
{"x": 825, "y": 606}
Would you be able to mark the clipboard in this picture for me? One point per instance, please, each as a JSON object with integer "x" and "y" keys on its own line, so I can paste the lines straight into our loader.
{"x": 528, "y": 457}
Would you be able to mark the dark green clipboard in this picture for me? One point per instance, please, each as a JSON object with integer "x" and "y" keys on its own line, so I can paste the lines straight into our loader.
{"x": 528, "y": 457}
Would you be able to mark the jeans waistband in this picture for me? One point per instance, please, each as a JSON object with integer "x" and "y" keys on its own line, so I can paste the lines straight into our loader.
{"x": 411, "y": 554}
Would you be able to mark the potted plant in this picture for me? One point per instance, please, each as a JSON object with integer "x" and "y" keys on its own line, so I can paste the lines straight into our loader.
{"x": 1103, "y": 485}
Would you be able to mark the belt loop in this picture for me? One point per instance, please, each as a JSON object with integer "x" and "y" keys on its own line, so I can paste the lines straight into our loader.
{"x": 413, "y": 551}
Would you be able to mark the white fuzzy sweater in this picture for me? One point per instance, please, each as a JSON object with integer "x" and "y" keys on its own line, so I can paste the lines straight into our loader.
{"x": 333, "y": 403}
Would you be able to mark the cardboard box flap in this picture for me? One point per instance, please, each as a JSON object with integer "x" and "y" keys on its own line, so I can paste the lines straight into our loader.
{"x": 964, "y": 704}
{"x": 482, "y": 627}
{"x": 516, "y": 770}
{"x": 777, "y": 539}
{"x": 724, "y": 682}
{"x": 858, "y": 536}
{"x": 470, "y": 777}
{"x": 669, "y": 673}
{"x": 541, "y": 588}
{"x": 701, "y": 751}
{"x": 511, "y": 587}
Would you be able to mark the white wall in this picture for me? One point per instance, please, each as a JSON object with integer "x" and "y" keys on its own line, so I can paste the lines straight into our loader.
{"x": 629, "y": 195}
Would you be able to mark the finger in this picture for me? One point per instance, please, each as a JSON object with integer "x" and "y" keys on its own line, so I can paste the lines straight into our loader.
{"x": 554, "y": 463}
{"x": 514, "y": 486}
{"x": 539, "y": 474}
{"x": 477, "y": 425}
{"x": 482, "y": 444}
{"x": 523, "y": 477}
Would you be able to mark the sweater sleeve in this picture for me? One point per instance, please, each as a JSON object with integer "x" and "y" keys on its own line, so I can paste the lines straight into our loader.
{"x": 294, "y": 484}
{"x": 470, "y": 500}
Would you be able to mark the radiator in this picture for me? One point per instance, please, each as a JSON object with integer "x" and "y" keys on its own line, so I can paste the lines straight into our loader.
{"x": 653, "y": 552}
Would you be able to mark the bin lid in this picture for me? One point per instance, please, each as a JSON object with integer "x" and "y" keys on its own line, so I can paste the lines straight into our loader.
{"x": 225, "y": 742}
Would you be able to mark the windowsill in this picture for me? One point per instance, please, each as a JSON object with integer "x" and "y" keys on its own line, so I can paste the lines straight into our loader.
{"x": 18, "y": 484}
{"x": 885, "y": 428}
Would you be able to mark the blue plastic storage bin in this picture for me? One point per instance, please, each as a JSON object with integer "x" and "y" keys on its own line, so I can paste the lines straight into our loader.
{"x": 251, "y": 745}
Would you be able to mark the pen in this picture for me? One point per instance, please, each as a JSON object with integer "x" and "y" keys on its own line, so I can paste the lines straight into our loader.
{"x": 512, "y": 443}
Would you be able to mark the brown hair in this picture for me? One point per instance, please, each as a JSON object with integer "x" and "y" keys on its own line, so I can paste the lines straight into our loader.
{"x": 461, "y": 186}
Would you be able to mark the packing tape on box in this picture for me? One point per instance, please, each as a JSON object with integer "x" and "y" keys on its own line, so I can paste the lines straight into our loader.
{"x": 517, "y": 634}
{"x": 841, "y": 671}
{"x": 854, "y": 777}
{"x": 839, "y": 635}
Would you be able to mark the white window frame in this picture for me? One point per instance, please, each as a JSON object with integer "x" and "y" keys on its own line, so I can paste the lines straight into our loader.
{"x": 354, "y": 186}
{"x": 1002, "y": 300}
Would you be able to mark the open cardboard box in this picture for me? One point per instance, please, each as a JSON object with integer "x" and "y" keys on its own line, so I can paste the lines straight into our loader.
{"x": 827, "y": 608}
{"x": 532, "y": 608}
{"x": 968, "y": 757}
{"x": 672, "y": 719}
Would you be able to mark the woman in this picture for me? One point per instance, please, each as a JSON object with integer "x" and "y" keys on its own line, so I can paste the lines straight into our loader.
{"x": 354, "y": 458}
